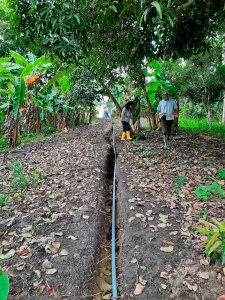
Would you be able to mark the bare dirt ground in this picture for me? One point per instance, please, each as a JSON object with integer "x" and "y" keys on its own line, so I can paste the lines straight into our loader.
{"x": 56, "y": 235}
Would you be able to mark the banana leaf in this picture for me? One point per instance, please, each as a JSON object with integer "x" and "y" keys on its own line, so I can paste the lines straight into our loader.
{"x": 20, "y": 91}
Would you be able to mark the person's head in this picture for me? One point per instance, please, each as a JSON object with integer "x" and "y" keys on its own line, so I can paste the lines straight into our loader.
{"x": 166, "y": 95}
{"x": 129, "y": 105}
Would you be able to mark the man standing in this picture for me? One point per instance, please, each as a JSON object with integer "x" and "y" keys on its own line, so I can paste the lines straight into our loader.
{"x": 166, "y": 111}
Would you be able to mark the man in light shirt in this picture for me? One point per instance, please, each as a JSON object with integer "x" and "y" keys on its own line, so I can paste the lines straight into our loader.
{"x": 166, "y": 111}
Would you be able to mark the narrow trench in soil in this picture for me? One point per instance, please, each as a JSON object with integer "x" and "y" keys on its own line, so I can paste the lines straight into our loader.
{"x": 103, "y": 275}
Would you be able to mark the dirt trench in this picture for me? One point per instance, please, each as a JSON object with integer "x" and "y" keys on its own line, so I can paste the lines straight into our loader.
{"x": 59, "y": 229}
{"x": 69, "y": 208}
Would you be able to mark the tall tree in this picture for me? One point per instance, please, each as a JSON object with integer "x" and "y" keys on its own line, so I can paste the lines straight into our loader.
{"x": 223, "y": 61}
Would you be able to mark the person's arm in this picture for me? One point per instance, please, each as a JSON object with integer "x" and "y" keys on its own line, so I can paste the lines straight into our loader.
{"x": 122, "y": 114}
{"x": 175, "y": 110}
{"x": 176, "y": 113}
{"x": 157, "y": 117}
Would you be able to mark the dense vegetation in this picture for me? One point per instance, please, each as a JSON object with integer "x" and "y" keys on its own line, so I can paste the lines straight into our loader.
{"x": 61, "y": 59}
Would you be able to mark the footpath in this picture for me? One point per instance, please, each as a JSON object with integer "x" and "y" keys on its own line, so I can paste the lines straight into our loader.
{"x": 55, "y": 236}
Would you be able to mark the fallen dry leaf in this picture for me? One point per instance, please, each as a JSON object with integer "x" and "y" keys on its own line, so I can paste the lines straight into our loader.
{"x": 131, "y": 219}
{"x": 204, "y": 275}
{"x": 168, "y": 242}
{"x": 167, "y": 249}
{"x": 41, "y": 288}
{"x": 173, "y": 233}
{"x": 17, "y": 290}
{"x": 139, "y": 289}
{"x": 50, "y": 271}
{"x": 8, "y": 255}
{"x": 51, "y": 292}
{"x": 163, "y": 286}
{"x": 25, "y": 252}
{"x": 191, "y": 287}
{"x": 72, "y": 237}
{"x": 64, "y": 252}
{"x": 164, "y": 275}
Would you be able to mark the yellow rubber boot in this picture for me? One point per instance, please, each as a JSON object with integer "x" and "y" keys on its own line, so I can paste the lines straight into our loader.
{"x": 123, "y": 136}
{"x": 128, "y": 136}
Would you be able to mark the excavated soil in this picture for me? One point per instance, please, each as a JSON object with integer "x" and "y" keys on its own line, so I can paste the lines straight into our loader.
{"x": 56, "y": 234}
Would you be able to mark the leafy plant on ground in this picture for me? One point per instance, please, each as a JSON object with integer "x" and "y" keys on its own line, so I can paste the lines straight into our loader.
{"x": 207, "y": 163}
{"x": 221, "y": 174}
{"x": 179, "y": 180}
{"x": 204, "y": 192}
{"x": 4, "y": 285}
{"x": 215, "y": 244}
{"x": 146, "y": 153}
{"x": 4, "y": 146}
{"x": 139, "y": 136}
{"x": 19, "y": 181}
{"x": 149, "y": 164}
{"x": 3, "y": 199}
{"x": 204, "y": 214}
{"x": 39, "y": 175}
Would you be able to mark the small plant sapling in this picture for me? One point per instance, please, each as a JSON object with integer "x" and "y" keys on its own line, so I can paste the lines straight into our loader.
{"x": 204, "y": 192}
{"x": 19, "y": 181}
{"x": 221, "y": 174}
{"x": 207, "y": 163}
{"x": 215, "y": 243}
{"x": 146, "y": 153}
{"x": 179, "y": 180}
{"x": 4, "y": 285}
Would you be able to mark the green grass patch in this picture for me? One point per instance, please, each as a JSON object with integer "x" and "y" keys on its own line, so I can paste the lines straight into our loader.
{"x": 201, "y": 126}
{"x": 4, "y": 146}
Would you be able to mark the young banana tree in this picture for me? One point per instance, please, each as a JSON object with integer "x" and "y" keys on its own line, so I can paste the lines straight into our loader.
{"x": 155, "y": 84}
{"x": 20, "y": 77}
{"x": 13, "y": 97}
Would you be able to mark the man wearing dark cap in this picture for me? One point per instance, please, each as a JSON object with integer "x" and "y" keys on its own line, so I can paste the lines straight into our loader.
{"x": 166, "y": 111}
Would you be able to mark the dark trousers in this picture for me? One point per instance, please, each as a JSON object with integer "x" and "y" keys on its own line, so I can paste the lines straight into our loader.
{"x": 166, "y": 125}
{"x": 126, "y": 126}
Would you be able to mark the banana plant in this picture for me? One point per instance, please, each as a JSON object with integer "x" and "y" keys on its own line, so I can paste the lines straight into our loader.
{"x": 155, "y": 85}
{"x": 18, "y": 77}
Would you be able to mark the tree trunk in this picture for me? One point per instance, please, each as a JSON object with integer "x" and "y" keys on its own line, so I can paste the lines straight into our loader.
{"x": 15, "y": 133}
{"x": 11, "y": 128}
{"x": 223, "y": 61}
{"x": 175, "y": 123}
{"x": 90, "y": 115}
{"x": 208, "y": 110}
{"x": 112, "y": 97}
{"x": 29, "y": 116}
{"x": 151, "y": 113}
{"x": 38, "y": 121}
{"x": 37, "y": 111}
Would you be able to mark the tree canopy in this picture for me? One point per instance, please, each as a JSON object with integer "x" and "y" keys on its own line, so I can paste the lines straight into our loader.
{"x": 121, "y": 32}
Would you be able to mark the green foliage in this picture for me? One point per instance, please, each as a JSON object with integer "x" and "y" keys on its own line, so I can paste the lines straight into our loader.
{"x": 146, "y": 153}
{"x": 3, "y": 199}
{"x": 149, "y": 164}
{"x": 204, "y": 214}
{"x": 179, "y": 180}
{"x": 196, "y": 125}
{"x": 4, "y": 285}
{"x": 39, "y": 175}
{"x": 19, "y": 180}
{"x": 204, "y": 192}
{"x": 3, "y": 144}
{"x": 207, "y": 163}
{"x": 71, "y": 29}
{"x": 221, "y": 174}
{"x": 215, "y": 232}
